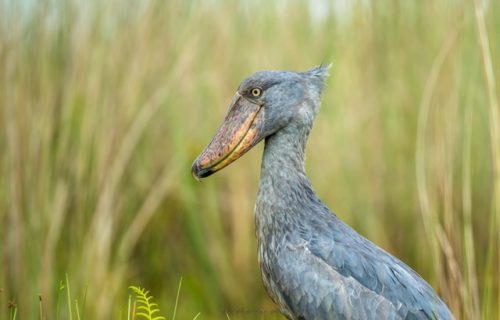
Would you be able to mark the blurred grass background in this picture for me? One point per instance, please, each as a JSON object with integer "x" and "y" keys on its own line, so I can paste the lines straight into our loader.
{"x": 105, "y": 104}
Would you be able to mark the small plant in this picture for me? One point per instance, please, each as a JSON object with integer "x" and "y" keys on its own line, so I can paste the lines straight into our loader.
{"x": 13, "y": 309}
{"x": 145, "y": 307}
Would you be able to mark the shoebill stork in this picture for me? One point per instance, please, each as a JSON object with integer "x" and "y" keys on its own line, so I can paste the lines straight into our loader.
{"x": 313, "y": 265}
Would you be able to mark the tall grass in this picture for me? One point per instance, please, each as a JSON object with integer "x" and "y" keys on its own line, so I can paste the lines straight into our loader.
{"x": 105, "y": 104}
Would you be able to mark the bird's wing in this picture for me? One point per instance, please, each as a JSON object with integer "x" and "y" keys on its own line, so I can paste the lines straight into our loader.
{"x": 357, "y": 260}
{"x": 311, "y": 289}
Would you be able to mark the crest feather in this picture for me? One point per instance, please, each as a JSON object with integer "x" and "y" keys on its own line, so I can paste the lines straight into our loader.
{"x": 318, "y": 75}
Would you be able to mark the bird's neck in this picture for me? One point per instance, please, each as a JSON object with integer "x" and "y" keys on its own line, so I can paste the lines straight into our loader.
{"x": 284, "y": 190}
{"x": 284, "y": 154}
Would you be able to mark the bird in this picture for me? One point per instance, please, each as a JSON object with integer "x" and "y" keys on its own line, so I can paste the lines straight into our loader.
{"x": 313, "y": 265}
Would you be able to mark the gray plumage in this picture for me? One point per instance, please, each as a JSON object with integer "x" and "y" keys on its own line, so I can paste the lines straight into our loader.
{"x": 313, "y": 265}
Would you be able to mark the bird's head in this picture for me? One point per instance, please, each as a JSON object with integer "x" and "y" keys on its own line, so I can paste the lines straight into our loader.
{"x": 264, "y": 103}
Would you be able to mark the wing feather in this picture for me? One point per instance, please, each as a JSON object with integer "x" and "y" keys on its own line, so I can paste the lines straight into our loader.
{"x": 350, "y": 278}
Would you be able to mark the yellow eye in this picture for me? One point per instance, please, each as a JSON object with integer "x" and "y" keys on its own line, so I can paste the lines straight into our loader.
{"x": 256, "y": 92}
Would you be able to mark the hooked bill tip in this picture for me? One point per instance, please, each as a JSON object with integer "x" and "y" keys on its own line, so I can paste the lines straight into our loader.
{"x": 195, "y": 176}
{"x": 195, "y": 169}
{"x": 198, "y": 172}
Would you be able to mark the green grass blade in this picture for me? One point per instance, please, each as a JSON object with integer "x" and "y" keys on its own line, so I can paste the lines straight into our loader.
{"x": 177, "y": 299}
{"x": 68, "y": 292}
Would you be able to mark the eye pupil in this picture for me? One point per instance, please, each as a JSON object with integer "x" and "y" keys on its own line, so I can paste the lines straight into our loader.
{"x": 256, "y": 92}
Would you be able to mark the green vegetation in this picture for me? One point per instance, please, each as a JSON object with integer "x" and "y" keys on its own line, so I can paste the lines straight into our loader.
{"x": 145, "y": 308}
{"x": 105, "y": 104}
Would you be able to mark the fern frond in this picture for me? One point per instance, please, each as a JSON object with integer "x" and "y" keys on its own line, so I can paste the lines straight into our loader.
{"x": 146, "y": 308}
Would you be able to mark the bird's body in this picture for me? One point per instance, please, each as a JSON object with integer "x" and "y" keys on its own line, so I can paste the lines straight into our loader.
{"x": 313, "y": 265}
{"x": 316, "y": 267}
